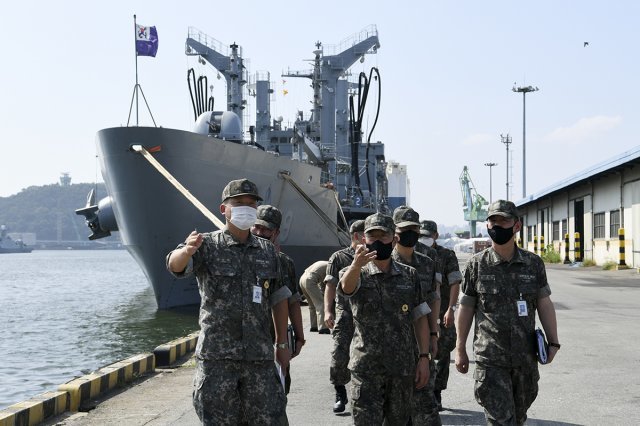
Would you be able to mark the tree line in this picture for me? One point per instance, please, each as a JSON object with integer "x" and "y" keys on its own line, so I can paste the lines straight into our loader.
{"x": 49, "y": 211}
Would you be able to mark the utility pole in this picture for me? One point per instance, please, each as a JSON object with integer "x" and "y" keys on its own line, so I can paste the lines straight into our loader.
{"x": 490, "y": 165}
{"x": 524, "y": 91}
{"x": 507, "y": 141}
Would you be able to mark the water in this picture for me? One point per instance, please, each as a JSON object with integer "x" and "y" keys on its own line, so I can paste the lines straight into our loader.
{"x": 66, "y": 313}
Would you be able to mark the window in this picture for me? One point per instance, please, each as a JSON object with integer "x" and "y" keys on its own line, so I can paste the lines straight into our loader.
{"x": 614, "y": 223}
{"x": 598, "y": 225}
{"x": 556, "y": 231}
{"x": 564, "y": 228}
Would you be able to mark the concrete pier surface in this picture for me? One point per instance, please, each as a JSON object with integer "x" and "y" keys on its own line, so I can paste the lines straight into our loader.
{"x": 594, "y": 380}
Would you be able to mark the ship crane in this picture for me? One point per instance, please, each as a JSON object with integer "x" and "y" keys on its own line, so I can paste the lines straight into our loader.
{"x": 228, "y": 62}
{"x": 329, "y": 122}
{"x": 474, "y": 205}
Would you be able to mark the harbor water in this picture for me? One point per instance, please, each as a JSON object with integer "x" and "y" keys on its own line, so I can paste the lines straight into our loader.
{"x": 66, "y": 313}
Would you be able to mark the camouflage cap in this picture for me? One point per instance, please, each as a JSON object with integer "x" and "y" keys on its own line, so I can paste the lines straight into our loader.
{"x": 405, "y": 216}
{"x": 503, "y": 208}
{"x": 379, "y": 221}
{"x": 357, "y": 226}
{"x": 239, "y": 187}
{"x": 269, "y": 216}
{"x": 428, "y": 228}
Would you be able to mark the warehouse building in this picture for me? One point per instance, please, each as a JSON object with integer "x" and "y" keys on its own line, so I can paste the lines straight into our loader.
{"x": 598, "y": 208}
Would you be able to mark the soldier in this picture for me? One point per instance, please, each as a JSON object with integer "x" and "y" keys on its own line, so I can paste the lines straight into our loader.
{"x": 449, "y": 290}
{"x": 267, "y": 226}
{"x": 341, "y": 320}
{"x": 242, "y": 292}
{"x": 390, "y": 315}
{"x": 311, "y": 284}
{"x": 407, "y": 221}
{"x": 503, "y": 286}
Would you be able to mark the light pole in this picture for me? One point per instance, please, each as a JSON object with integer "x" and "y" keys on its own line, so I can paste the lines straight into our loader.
{"x": 524, "y": 91}
{"x": 507, "y": 141}
{"x": 490, "y": 165}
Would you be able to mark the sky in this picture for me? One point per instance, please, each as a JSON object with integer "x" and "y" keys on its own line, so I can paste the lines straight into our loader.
{"x": 447, "y": 70}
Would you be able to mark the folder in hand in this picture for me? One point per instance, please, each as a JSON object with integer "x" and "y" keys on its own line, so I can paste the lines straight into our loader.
{"x": 542, "y": 348}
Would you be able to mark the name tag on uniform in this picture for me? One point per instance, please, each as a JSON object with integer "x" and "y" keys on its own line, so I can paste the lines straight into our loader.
{"x": 257, "y": 294}
{"x": 522, "y": 308}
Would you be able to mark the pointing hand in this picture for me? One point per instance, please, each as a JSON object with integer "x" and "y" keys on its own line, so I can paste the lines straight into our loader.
{"x": 193, "y": 242}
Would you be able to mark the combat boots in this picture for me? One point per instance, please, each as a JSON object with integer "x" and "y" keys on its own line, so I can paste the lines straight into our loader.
{"x": 341, "y": 399}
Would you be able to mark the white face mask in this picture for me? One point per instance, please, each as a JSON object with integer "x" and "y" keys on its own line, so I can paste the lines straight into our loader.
{"x": 243, "y": 217}
{"x": 426, "y": 241}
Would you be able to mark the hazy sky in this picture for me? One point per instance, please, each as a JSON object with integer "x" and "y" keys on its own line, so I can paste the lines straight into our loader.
{"x": 447, "y": 71}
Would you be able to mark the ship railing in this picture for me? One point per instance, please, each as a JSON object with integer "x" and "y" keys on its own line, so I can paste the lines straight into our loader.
{"x": 328, "y": 151}
{"x": 260, "y": 76}
{"x": 210, "y": 42}
{"x": 298, "y": 73}
{"x": 334, "y": 49}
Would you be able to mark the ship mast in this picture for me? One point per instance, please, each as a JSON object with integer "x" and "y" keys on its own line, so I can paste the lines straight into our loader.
{"x": 329, "y": 123}
{"x": 228, "y": 62}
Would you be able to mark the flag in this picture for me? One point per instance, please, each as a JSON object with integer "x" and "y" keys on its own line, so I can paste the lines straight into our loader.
{"x": 146, "y": 41}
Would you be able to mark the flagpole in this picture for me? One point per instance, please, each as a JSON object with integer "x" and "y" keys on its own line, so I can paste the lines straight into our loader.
{"x": 135, "y": 51}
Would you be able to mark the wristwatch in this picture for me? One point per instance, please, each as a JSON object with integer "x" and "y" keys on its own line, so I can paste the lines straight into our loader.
{"x": 284, "y": 345}
{"x": 454, "y": 307}
{"x": 425, "y": 355}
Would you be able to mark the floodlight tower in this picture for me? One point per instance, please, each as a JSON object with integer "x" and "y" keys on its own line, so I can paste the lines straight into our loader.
{"x": 490, "y": 165}
{"x": 524, "y": 90}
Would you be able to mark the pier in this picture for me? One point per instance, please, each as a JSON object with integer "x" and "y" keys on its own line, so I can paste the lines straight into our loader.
{"x": 593, "y": 380}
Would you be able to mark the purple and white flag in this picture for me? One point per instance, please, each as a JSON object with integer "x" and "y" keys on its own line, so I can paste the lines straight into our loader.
{"x": 146, "y": 41}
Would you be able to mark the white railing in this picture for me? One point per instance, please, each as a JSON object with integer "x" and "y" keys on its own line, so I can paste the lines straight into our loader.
{"x": 334, "y": 49}
{"x": 210, "y": 42}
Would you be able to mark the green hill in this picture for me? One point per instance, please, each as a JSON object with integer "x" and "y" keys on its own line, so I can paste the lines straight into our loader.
{"x": 49, "y": 211}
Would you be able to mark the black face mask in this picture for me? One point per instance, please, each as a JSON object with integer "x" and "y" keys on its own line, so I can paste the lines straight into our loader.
{"x": 383, "y": 251}
{"x": 409, "y": 238}
{"x": 500, "y": 235}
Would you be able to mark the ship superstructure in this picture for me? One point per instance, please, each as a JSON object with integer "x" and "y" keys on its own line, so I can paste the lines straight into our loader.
{"x": 322, "y": 173}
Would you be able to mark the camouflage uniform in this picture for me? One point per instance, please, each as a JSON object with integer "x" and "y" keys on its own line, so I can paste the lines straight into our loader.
{"x": 270, "y": 217}
{"x": 383, "y": 362}
{"x": 506, "y": 366}
{"x": 343, "y": 329}
{"x": 235, "y": 372}
{"x": 291, "y": 281}
{"x": 448, "y": 264}
{"x": 432, "y": 254}
{"x": 425, "y": 407}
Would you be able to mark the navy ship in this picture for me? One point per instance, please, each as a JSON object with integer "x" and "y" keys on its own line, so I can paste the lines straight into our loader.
{"x": 322, "y": 173}
{"x": 9, "y": 245}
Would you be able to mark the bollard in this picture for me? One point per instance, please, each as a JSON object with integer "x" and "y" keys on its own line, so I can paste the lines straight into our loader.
{"x": 542, "y": 244}
{"x": 577, "y": 254}
{"x": 535, "y": 244}
{"x": 566, "y": 248}
{"x": 621, "y": 264}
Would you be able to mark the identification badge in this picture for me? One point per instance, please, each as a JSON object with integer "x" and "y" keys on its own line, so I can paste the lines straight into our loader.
{"x": 257, "y": 294}
{"x": 522, "y": 308}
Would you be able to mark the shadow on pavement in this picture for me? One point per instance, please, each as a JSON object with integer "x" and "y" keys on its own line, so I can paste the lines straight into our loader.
{"x": 468, "y": 417}
{"x": 533, "y": 422}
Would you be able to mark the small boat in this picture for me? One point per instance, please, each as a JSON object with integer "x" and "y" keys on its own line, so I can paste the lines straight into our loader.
{"x": 9, "y": 245}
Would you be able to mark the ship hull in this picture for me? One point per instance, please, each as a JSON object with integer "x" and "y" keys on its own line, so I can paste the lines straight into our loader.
{"x": 153, "y": 217}
{"x": 15, "y": 250}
